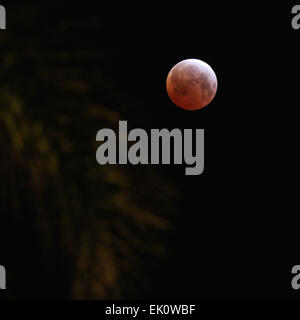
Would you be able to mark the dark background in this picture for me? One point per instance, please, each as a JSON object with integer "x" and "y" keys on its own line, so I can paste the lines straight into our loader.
{"x": 235, "y": 231}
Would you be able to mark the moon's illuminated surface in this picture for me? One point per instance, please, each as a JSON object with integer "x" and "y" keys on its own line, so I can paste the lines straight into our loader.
{"x": 192, "y": 84}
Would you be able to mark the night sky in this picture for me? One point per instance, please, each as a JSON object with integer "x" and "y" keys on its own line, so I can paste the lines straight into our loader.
{"x": 235, "y": 228}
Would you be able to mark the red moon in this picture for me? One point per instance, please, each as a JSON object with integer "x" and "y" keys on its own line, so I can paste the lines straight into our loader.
{"x": 192, "y": 84}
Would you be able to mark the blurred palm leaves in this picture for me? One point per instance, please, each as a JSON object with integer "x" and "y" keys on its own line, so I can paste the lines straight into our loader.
{"x": 72, "y": 228}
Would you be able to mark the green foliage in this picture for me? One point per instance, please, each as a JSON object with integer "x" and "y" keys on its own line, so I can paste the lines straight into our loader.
{"x": 73, "y": 229}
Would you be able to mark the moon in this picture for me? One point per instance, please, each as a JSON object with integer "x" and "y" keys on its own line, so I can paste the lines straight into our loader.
{"x": 192, "y": 84}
